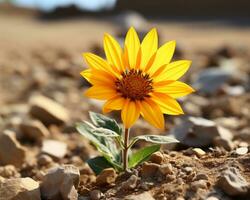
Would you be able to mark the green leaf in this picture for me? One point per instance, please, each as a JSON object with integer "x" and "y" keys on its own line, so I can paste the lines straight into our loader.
{"x": 157, "y": 139}
{"x": 142, "y": 155}
{"x": 86, "y": 129}
{"x": 103, "y": 132}
{"x": 104, "y": 145}
{"x": 98, "y": 164}
{"x": 103, "y": 121}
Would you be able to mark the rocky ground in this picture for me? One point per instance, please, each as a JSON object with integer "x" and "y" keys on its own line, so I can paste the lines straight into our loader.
{"x": 43, "y": 157}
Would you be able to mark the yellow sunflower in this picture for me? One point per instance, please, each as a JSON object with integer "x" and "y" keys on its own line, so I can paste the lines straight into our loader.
{"x": 138, "y": 79}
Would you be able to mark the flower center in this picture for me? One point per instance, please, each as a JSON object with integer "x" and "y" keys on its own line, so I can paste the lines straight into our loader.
{"x": 134, "y": 85}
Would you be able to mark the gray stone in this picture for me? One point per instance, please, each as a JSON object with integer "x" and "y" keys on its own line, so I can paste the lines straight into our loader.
{"x": 199, "y": 132}
{"x": 131, "y": 183}
{"x": 60, "y": 183}
{"x": 232, "y": 182}
{"x": 211, "y": 80}
{"x": 95, "y": 194}
{"x": 223, "y": 142}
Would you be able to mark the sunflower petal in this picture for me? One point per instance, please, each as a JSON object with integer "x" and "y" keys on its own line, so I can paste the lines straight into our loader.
{"x": 86, "y": 74}
{"x": 175, "y": 89}
{"x": 100, "y": 92}
{"x": 130, "y": 113}
{"x": 163, "y": 56}
{"x": 167, "y": 104}
{"x": 98, "y": 77}
{"x": 149, "y": 47}
{"x": 96, "y": 62}
{"x": 115, "y": 103}
{"x": 174, "y": 70}
{"x": 152, "y": 113}
{"x": 132, "y": 43}
{"x": 113, "y": 51}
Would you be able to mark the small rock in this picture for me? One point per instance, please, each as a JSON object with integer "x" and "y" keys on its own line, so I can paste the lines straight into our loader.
{"x": 149, "y": 170}
{"x": 11, "y": 151}
{"x": 68, "y": 190}
{"x": 212, "y": 198}
{"x": 166, "y": 169}
{"x": 44, "y": 160}
{"x": 210, "y": 81}
{"x": 106, "y": 177}
{"x": 229, "y": 122}
{"x": 201, "y": 176}
{"x": 188, "y": 170}
{"x": 54, "y": 148}
{"x": 192, "y": 109}
{"x": 1, "y": 179}
{"x": 48, "y": 111}
{"x": 237, "y": 90}
{"x": 232, "y": 182}
{"x": 223, "y": 142}
{"x": 198, "y": 152}
{"x": 34, "y": 130}
{"x": 9, "y": 171}
{"x": 200, "y": 184}
{"x": 96, "y": 195}
{"x": 241, "y": 150}
{"x": 60, "y": 183}
{"x": 156, "y": 157}
{"x": 244, "y": 135}
{"x": 20, "y": 189}
{"x": 199, "y": 132}
{"x": 142, "y": 196}
{"x": 131, "y": 183}
{"x": 128, "y": 19}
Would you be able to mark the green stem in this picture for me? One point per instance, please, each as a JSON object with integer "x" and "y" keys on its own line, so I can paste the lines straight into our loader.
{"x": 125, "y": 150}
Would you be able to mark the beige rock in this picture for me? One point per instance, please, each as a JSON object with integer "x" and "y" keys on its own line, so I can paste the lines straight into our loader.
{"x": 1, "y": 179}
{"x": 201, "y": 176}
{"x": 156, "y": 157}
{"x": 166, "y": 169}
{"x": 142, "y": 196}
{"x": 34, "y": 130}
{"x": 200, "y": 184}
{"x": 44, "y": 160}
{"x": 48, "y": 111}
{"x": 54, "y": 148}
{"x": 60, "y": 183}
{"x": 11, "y": 151}
{"x": 241, "y": 151}
{"x": 9, "y": 171}
{"x": 106, "y": 177}
{"x": 19, "y": 189}
{"x": 199, "y": 152}
{"x": 149, "y": 170}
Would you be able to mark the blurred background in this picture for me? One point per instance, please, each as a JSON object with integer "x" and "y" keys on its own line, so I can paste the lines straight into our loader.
{"x": 42, "y": 42}
{"x": 41, "y": 91}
